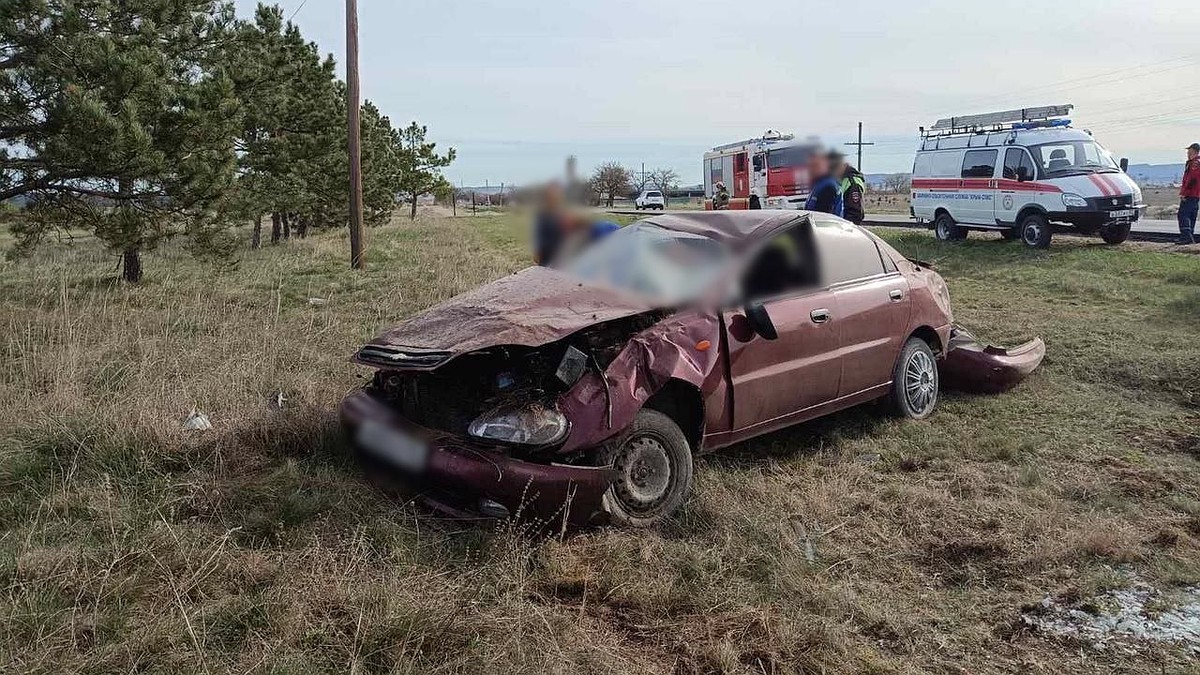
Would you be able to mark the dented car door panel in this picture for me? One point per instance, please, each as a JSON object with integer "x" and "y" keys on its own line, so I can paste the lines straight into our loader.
{"x": 775, "y": 380}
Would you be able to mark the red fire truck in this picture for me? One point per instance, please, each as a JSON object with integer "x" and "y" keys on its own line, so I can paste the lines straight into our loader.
{"x": 760, "y": 173}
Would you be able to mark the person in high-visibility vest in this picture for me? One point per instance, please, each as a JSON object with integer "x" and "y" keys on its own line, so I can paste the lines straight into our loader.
{"x": 720, "y": 196}
{"x": 852, "y": 186}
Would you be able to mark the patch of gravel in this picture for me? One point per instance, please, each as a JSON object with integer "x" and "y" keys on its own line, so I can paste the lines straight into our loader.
{"x": 1124, "y": 619}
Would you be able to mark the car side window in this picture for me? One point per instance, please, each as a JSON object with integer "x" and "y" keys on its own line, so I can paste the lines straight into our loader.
{"x": 786, "y": 263}
{"x": 850, "y": 256}
{"x": 1018, "y": 165}
{"x": 979, "y": 163}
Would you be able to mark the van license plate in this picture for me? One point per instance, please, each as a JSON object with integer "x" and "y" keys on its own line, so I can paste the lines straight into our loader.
{"x": 1123, "y": 213}
{"x": 394, "y": 446}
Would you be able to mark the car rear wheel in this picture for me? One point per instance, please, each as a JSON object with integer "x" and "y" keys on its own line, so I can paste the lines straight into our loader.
{"x": 1035, "y": 231}
{"x": 1116, "y": 233}
{"x": 945, "y": 229}
{"x": 914, "y": 391}
{"x": 654, "y": 470}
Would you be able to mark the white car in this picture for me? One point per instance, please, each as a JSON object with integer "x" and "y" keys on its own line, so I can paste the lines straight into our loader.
{"x": 650, "y": 199}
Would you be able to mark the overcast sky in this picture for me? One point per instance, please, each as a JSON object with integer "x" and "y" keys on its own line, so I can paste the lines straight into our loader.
{"x": 517, "y": 85}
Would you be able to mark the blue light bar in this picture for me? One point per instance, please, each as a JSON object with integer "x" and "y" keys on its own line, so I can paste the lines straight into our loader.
{"x": 1039, "y": 124}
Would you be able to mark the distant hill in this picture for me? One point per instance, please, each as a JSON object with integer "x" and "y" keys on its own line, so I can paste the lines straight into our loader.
{"x": 1157, "y": 174}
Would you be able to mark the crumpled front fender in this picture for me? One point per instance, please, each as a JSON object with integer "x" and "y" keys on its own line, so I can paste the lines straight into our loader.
{"x": 683, "y": 347}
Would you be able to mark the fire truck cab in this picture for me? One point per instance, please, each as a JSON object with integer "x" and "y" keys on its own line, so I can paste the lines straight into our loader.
{"x": 768, "y": 172}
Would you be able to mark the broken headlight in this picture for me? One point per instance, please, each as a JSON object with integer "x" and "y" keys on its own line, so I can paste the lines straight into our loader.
{"x": 529, "y": 424}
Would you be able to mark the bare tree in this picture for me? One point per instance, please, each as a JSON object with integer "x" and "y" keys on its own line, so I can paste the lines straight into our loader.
{"x": 611, "y": 179}
{"x": 897, "y": 182}
{"x": 666, "y": 180}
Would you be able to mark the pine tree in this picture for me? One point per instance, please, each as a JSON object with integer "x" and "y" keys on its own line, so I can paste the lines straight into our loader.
{"x": 111, "y": 119}
{"x": 420, "y": 165}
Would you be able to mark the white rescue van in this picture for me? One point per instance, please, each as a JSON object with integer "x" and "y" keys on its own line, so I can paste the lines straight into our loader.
{"x": 1025, "y": 173}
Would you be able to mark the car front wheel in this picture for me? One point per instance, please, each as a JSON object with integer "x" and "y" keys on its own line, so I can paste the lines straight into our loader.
{"x": 653, "y": 462}
{"x": 914, "y": 380}
{"x": 1115, "y": 233}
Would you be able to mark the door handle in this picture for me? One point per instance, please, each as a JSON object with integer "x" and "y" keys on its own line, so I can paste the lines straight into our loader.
{"x": 819, "y": 315}
{"x": 896, "y": 295}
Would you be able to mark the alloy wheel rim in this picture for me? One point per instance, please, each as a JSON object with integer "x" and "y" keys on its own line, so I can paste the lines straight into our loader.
{"x": 644, "y": 473}
{"x": 920, "y": 382}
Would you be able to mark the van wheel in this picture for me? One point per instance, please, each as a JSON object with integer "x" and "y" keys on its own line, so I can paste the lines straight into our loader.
{"x": 945, "y": 229}
{"x": 654, "y": 470}
{"x": 914, "y": 390}
{"x": 1035, "y": 231}
{"x": 1116, "y": 233}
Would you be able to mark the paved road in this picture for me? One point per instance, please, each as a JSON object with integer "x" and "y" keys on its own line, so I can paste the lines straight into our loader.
{"x": 1145, "y": 229}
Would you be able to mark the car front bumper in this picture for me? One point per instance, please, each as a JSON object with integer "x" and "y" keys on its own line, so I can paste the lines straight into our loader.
{"x": 464, "y": 478}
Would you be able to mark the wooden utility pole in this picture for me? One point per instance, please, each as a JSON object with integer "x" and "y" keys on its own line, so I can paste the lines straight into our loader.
{"x": 860, "y": 145}
{"x": 353, "y": 136}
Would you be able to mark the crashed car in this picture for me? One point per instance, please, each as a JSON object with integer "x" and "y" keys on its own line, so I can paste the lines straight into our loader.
{"x": 584, "y": 393}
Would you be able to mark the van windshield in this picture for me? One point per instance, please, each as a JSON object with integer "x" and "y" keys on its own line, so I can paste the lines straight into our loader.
{"x": 1070, "y": 158}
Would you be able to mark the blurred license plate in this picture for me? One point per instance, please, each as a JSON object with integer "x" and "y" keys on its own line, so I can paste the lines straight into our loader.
{"x": 395, "y": 446}
{"x": 1123, "y": 213}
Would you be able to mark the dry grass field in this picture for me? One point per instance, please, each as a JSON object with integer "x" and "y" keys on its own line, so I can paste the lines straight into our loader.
{"x": 129, "y": 544}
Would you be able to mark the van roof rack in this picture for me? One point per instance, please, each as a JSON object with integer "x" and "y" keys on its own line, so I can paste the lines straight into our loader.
{"x": 995, "y": 121}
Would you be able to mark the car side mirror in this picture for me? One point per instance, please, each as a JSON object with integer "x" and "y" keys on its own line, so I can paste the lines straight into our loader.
{"x": 1124, "y": 165}
{"x": 760, "y": 321}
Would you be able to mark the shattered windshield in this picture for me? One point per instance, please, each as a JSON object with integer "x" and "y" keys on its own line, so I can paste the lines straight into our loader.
{"x": 671, "y": 267}
{"x": 1068, "y": 158}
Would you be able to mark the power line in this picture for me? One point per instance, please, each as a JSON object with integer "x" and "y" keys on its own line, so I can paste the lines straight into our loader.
{"x": 302, "y": 4}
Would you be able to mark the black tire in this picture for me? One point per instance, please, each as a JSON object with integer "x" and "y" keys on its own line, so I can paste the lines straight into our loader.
{"x": 1115, "y": 233}
{"x": 1011, "y": 234}
{"x": 945, "y": 229}
{"x": 1035, "y": 231}
{"x": 755, "y": 204}
{"x": 915, "y": 386}
{"x": 654, "y": 471}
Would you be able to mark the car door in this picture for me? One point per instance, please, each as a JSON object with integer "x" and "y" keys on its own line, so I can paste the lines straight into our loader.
{"x": 1018, "y": 169}
{"x": 873, "y": 305}
{"x": 978, "y": 186}
{"x": 775, "y": 380}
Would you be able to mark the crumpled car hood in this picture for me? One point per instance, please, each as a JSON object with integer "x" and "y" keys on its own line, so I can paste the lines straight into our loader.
{"x": 530, "y": 308}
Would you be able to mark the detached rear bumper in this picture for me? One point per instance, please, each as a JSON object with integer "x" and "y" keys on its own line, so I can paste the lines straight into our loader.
{"x": 985, "y": 369}
{"x": 463, "y": 478}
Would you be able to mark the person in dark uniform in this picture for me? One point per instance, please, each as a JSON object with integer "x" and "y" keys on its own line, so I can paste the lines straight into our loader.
{"x": 1189, "y": 196}
{"x": 823, "y": 194}
{"x": 852, "y": 185}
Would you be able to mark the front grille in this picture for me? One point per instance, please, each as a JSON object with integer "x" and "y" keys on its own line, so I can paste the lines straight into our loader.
{"x": 404, "y": 358}
{"x": 1110, "y": 203}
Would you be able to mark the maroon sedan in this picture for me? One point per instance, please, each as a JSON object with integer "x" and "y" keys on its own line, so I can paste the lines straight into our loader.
{"x": 582, "y": 394}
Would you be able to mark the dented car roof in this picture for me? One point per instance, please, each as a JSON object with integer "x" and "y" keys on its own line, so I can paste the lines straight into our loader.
{"x": 533, "y": 307}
